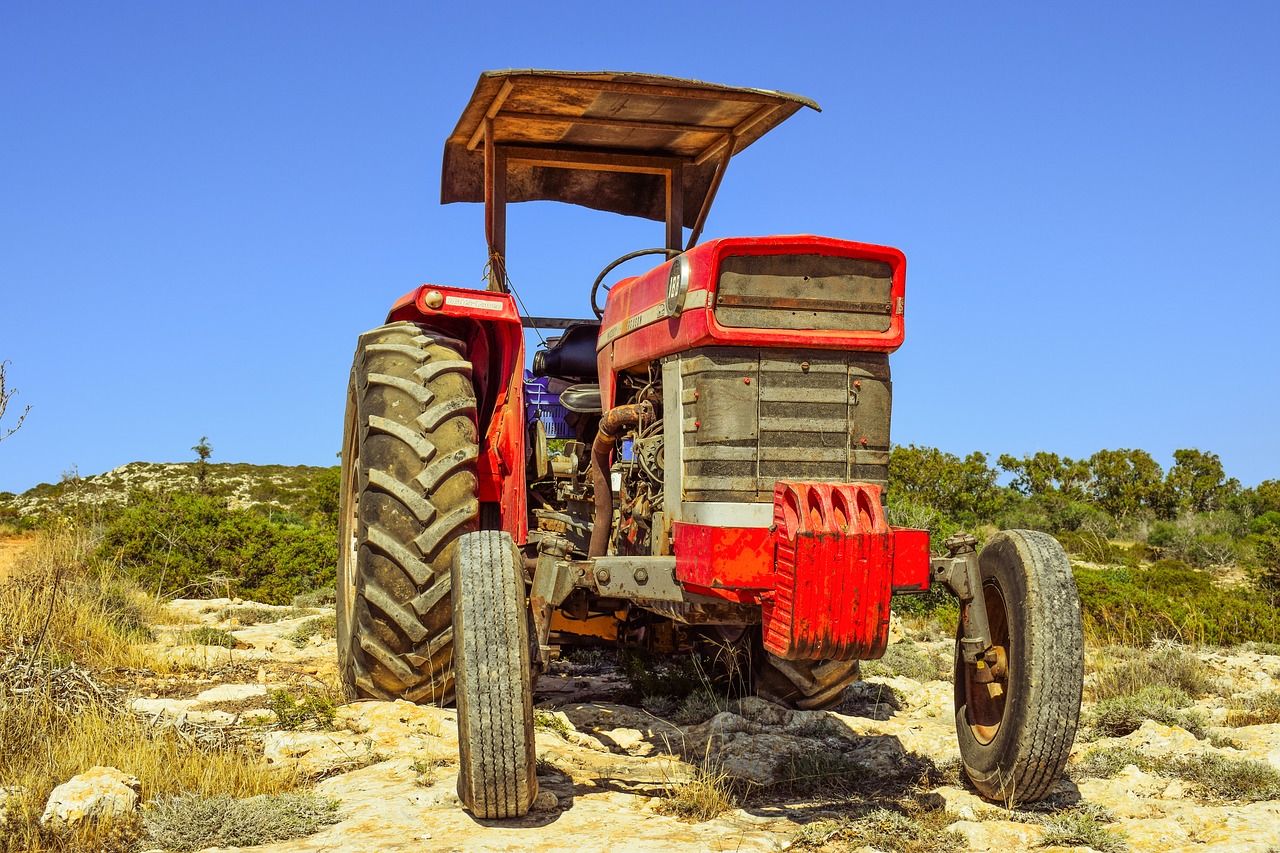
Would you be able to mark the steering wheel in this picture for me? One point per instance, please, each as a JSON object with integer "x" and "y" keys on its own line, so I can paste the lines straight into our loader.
{"x": 595, "y": 288}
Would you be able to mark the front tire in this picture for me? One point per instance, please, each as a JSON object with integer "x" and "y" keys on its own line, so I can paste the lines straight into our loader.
{"x": 1016, "y": 738}
{"x": 498, "y": 766}
{"x": 408, "y": 493}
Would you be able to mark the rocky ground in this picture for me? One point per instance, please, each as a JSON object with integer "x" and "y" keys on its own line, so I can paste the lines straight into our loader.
{"x": 608, "y": 770}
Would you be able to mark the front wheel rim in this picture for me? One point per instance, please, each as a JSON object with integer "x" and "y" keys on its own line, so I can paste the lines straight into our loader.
{"x": 986, "y": 701}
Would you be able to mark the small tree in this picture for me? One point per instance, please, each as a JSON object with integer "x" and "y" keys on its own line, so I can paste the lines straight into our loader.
{"x": 1197, "y": 481}
{"x": 1126, "y": 480}
{"x": 203, "y": 452}
{"x": 5, "y": 394}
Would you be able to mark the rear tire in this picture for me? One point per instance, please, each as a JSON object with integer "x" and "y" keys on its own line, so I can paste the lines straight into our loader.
{"x": 498, "y": 765}
{"x": 1014, "y": 744}
{"x": 408, "y": 493}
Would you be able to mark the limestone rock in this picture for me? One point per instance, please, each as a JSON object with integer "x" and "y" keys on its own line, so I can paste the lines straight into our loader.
{"x": 232, "y": 693}
{"x": 545, "y": 802}
{"x": 998, "y": 834}
{"x": 100, "y": 792}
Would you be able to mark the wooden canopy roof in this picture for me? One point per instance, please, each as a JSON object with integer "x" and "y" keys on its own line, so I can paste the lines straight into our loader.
{"x": 637, "y": 144}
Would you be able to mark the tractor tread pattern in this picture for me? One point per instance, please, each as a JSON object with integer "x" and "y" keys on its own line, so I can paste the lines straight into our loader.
{"x": 415, "y": 421}
{"x": 498, "y": 777}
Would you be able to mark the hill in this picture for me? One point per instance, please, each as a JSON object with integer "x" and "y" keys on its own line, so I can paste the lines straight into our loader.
{"x": 264, "y": 488}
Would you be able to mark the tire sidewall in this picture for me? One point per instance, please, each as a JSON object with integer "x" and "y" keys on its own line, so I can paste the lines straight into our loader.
{"x": 1002, "y": 563}
{"x": 348, "y": 521}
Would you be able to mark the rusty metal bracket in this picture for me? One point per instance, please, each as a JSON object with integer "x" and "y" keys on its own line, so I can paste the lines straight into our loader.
{"x": 637, "y": 578}
{"x": 553, "y": 580}
{"x": 960, "y": 574}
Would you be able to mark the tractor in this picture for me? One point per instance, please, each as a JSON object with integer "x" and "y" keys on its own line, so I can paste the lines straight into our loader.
{"x": 705, "y": 459}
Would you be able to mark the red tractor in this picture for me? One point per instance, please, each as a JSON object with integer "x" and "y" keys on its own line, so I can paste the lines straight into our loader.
{"x": 707, "y": 458}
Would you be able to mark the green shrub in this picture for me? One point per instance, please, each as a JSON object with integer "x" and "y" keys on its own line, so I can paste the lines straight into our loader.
{"x": 179, "y": 543}
{"x": 313, "y": 710}
{"x": 551, "y": 722}
{"x": 1171, "y": 600}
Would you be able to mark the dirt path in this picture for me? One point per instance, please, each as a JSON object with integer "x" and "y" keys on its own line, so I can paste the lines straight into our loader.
{"x": 11, "y": 547}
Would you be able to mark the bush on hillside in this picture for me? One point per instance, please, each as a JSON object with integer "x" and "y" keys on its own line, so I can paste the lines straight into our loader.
{"x": 1171, "y": 600}
{"x": 180, "y": 543}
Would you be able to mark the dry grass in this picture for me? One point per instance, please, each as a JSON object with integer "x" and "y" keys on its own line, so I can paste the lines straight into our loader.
{"x": 1255, "y": 710}
{"x": 59, "y": 603}
{"x": 706, "y": 794}
{"x": 70, "y": 740}
{"x": 57, "y": 610}
{"x": 1170, "y": 666}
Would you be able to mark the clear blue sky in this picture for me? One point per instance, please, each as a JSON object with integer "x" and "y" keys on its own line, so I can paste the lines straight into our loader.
{"x": 202, "y": 204}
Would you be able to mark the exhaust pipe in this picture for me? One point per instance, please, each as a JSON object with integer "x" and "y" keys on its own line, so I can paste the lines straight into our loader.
{"x": 611, "y": 425}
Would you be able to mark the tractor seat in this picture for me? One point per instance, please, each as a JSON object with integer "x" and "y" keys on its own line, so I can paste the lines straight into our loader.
{"x": 583, "y": 398}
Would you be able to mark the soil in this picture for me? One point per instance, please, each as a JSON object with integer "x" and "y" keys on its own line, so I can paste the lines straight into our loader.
{"x": 11, "y": 548}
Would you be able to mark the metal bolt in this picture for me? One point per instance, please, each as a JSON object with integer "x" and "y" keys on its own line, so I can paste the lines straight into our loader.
{"x": 857, "y": 383}
{"x": 641, "y": 575}
{"x": 434, "y": 299}
{"x": 602, "y": 576}
{"x": 697, "y": 424}
{"x": 804, "y": 367}
{"x": 864, "y": 441}
{"x": 747, "y": 380}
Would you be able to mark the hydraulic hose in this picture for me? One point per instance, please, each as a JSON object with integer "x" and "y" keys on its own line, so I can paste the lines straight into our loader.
{"x": 611, "y": 426}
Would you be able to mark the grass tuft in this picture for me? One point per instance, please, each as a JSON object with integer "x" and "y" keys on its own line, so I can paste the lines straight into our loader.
{"x": 324, "y": 597}
{"x": 1214, "y": 775}
{"x": 1121, "y": 715}
{"x": 245, "y": 616}
{"x": 312, "y": 711}
{"x": 706, "y": 794}
{"x": 909, "y": 660}
{"x": 551, "y": 722}
{"x": 325, "y": 626}
{"x": 1081, "y": 829}
{"x": 1171, "y": 666}
{"x": 830, "y": 773}
{"x": 884, "y": 829}
{"x": 207, "y": 636}
{"x": 427, "y": 771}
{"x": 1255, "y": 710}
{"x": 194, "y": 823}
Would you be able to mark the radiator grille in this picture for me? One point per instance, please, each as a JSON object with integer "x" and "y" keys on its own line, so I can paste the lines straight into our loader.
{"x": 752, "y": 417}
{"x": 817, "y": 292}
